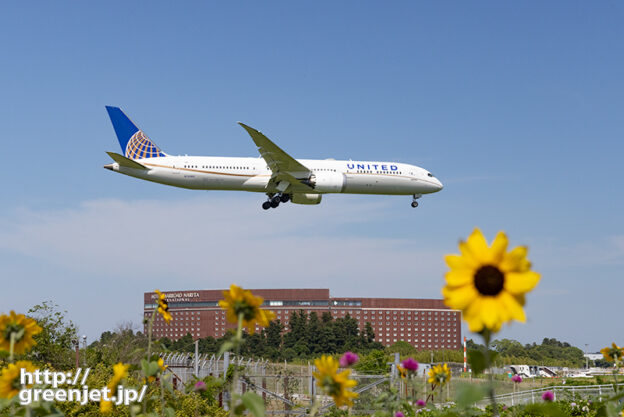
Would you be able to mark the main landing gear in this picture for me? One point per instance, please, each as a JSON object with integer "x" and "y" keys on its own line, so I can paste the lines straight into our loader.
{"x": 414, "y": 198}
{"x": 275, "y": 200}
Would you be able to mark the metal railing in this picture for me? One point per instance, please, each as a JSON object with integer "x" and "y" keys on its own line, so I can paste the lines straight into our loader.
{"x": 560, "y": 392}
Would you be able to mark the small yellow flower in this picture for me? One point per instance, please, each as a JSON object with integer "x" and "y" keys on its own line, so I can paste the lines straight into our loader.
{"x": 163, "y": 307}
{"x": 10, "y": 384}
{"x": 337, "y": 385}
{"x": 23, "y": 327}
{"x": 120, "y": 371}
{"x": 487, "y": 283}
{"x": 161, "y": 364}
{"x": 613, "y": 353}
{"x": 439, "y": 374}
{"x": 238, "y": 301}
{"x": 402, "y": 371}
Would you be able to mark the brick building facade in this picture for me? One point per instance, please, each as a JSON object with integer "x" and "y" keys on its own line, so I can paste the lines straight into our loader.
{"x": 424, "y": 323}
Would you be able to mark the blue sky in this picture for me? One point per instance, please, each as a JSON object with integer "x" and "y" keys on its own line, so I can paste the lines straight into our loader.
{"x": 516, "y": 107}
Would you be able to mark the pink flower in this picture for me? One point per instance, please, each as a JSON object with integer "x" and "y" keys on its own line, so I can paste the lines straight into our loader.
{"x": 399, "y": 414}
{"x": 348, "y": 359}
{"x": 421, "y": 403}
{"x": 516, "y": 378}
{"x": 548, "y": 396}
{"x": 200, "y": 386}
{"x": 410, "y": 364}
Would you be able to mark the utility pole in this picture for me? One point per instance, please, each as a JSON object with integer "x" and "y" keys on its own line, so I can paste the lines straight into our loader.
{"x": 197, "y": 358}
{"x": 77, "y": 346}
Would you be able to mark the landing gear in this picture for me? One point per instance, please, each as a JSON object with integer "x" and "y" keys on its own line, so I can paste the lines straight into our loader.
{"x": 274, "y": 200}
{"x": 414, "y": 198}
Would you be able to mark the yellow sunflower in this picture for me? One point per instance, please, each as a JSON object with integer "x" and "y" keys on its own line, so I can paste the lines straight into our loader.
{"x": 337, "y": 385}
{"x": 24, "y": 329}
{"x": 10, "y": 384}
{"x": 487, "y": 283}
{"x": 163, "y": 307}
{"x": 120, "y": 371}
{"x": 402, "y": 371}
{"x": 439, "y": 374}
{"x": 238, "y": 301}
{"x": 613, "y": 353}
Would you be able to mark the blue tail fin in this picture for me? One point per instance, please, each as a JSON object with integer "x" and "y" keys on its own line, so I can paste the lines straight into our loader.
{"x": 134, "y": 143}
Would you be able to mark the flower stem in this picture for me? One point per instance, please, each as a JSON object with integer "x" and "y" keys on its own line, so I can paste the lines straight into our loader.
{"x": 12, "y": 337}
{"x": 486, "y": 336}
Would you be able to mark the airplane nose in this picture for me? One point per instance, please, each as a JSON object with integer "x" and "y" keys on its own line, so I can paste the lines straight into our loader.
{"x": 439, "y": 184}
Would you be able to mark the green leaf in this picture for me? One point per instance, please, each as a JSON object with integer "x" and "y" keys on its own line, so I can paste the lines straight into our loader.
{"x": 476, "y": 359}
{"x": 468, "y": 394}
{"x": 225, "y": 347}
{"x": 169, "y": 412}
{"x": 544, "y": 409}
{"x": 253, "y": 402}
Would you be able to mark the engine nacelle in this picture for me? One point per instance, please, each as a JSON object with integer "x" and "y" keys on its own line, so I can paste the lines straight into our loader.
{"x": 306, "y": 198}
{"x": 327, "y": 182}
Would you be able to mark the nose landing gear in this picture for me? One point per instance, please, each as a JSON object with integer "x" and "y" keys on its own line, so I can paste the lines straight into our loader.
{"x": 414, "y": 198}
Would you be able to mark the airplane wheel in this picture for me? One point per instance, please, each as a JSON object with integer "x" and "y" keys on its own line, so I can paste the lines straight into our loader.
{"x": 274, "y": 203}
{"x": 266, "y": 205}
{"x": 414, "y": 204}
{"x": 285, "y": 198}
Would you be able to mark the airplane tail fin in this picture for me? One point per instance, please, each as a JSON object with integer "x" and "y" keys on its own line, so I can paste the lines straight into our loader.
{"x": 134, "y": 143}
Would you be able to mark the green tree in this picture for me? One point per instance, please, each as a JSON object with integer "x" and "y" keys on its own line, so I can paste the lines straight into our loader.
{"x": 55, "y": 343}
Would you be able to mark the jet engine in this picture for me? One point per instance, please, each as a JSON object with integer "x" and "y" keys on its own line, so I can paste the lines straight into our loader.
{"x": 306, "y": 198}
{"x": 327, "y": 182}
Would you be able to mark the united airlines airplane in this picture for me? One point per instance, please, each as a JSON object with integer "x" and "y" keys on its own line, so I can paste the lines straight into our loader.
{"x": 277, "y": 174}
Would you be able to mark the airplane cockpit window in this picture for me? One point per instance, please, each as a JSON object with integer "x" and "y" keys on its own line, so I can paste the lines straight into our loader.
{"x": 429, "y": 174}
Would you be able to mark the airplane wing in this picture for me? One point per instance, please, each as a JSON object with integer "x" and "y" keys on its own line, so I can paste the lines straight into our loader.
{"x": 285, "y": 167}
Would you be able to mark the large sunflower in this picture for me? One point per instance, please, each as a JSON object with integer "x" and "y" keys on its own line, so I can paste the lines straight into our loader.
{"x": 24, "y": 329}
{"x": 487, "y": 283}
{"x": 10, "y": 384}
{"x": 337, "y": 385}
{"x": 439, "y": 374}
{"x": 238, "y": 301}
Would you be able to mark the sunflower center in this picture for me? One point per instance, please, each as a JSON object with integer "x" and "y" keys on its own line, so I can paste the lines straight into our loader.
{"x": 18, "y": 329}
{"x": 331, "y": 386}
{"x": 489, "y": 280}
{"x": 248, "y": 311}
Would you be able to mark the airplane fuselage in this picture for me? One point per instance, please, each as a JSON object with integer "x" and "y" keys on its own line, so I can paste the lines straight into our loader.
{"x": 253, "y": 174}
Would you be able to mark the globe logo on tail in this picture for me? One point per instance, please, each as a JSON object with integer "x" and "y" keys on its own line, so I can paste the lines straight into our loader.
{"x": 140, "y": 147}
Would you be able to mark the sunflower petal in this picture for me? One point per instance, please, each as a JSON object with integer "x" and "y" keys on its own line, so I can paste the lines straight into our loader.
{"x": 498, "y": 248}
{"x": 520, "y": 283}
{"x": 514, "y": 309}
{"x": 458, "y": 278}
{"x": 478, "y": 247}
{"x": 459, "y": 298}
{"x": 516, "y": 260}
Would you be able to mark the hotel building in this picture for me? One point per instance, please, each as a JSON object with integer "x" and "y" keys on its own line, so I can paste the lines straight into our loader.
{"x": 424, "y": 323}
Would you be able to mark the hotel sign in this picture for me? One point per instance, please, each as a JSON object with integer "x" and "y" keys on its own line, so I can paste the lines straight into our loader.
{"x": 176, "y": 297}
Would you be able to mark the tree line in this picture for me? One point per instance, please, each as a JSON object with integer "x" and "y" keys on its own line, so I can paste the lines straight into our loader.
{"x": 308, "y": 336}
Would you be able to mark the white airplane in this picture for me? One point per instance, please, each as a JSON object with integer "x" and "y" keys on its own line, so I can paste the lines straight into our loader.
{"x": 280, "y": 176}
